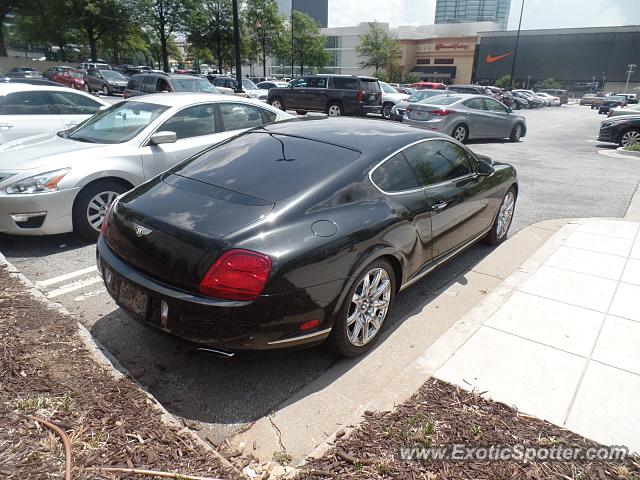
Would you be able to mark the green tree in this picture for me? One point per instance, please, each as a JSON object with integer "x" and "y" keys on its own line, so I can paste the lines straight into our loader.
{"x": 94, "y": 18}
{"x": 503, "y": 82}
{"x": 211, "y": 26}
{"x": 7, "y": 7}
{"x": 378, "y": 48}
{"x": 303, "y": 42}
{"x": 264, "y": 26}
{"x": 549, "y": 83}
{"x": 165, "y": 18}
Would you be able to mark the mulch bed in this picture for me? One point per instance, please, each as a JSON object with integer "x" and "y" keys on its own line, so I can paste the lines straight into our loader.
{"x": 46, "y": 372}
{"x": 440, "y": 414}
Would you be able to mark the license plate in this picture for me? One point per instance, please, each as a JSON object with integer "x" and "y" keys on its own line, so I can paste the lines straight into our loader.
{"x": 420, "y": 115}
{"x": 133, "y": 299}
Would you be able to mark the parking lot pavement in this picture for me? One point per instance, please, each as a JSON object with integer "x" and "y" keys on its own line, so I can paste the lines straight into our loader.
{"x": 561, "y": 175}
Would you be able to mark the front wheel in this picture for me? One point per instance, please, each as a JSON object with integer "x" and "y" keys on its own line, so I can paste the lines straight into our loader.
{"x": 277, "y": 103}
{"x": 335, "y": 110}
{"x": 630, "y": 137}
{"x": 460, "y": 133}
{"x": 366, "y": 307}
{"x": 516, "y": 133}
{"x": 501, "y": 224}
{"x": 386, "y": 111}
{"x": 91, "y": 206}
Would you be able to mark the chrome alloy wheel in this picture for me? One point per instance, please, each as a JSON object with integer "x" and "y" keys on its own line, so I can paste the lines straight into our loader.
{"x": 97, "y": 208}
{"x": 632, "y": 137}
{"x": 460, "y": 133}
{"x": 277, "y": 104}
{"x": 505, "y": 214}
{"x": 369, "y": 306}
{"x": 334, "y": 111}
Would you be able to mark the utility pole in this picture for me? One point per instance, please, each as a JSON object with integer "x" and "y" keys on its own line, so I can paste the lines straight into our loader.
{"x": 236, "y": 45}
{"x": 292, "y": 54}
{"x": 515, "y": 50}
{"x": 629, "y": 73}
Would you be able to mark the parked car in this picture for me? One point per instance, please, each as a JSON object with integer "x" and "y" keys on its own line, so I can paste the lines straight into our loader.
{"x": 251, "y": 90}
{"x": 107, "y": 82}
{"x": 269, "y": 84}
{"x": 147, "y": 83}
{"x": 93, "y": 66}
{"x": 53, "y": 71}
{"x": 630, "y": 110}
{"x": 503, "y": 96}
{"x": 587, "y": 98}
{"x": 466, "y": 117}
{"x": 557, "y": 92}
{"x": 398, "y": 110}
{"x": 407, "y": 90}
{"x": 552, "y": 101}
{"x": 70, "y": 78}
{"x": 30, "y": 81}
{"x": 611, "y": 102}
{"x": 597, "y": 100}
{"x": 631, "y": 98}
{"x": 362, "y": 218}
{"x": 335, "y": 95}
{"x": 24, "y": 72}
{"x": 624, "y": 130}
{"x": 66, "y": 181}
{"x": 27, "y": 110}
{"x": 390, "y": 97}
{"x": 538, "y": 100}
{"x": 428, "y": 85}
{"x": 472, "y": 89}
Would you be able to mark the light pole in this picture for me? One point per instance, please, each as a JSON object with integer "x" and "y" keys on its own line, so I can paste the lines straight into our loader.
{"x": 292, "y": 55}
{"x": 236, "y": 45}
{"x": 629, "y": 72}
{"x": 515, "y": 50}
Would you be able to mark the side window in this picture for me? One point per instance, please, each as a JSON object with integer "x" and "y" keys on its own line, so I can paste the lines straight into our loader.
{"x": 162, "y": 86}
{"x": 300, "y": 83}
{"x": 192, "y": 122}
{"x": 317, "y": 82}
{"x": 475, "y": 103}
{"x": 270, "y": 116}
{"x": 494, "y": 106}
{"x": 238, "y": 115}
{"x": 134, "y": 83}
{"x": 68, "y": 103}
{"x": 436, "y": 161}
{"x": 395, "y": 175}
{"x": 25, "y": 103}
{"x": 149, "y": 85}
{"x": 345, "y": 83}
{"x": 91, "y": 73}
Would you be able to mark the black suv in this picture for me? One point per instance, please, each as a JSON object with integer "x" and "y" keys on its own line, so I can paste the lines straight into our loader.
{"x": 145, "y": 83}
{"x": 335, "y": 95}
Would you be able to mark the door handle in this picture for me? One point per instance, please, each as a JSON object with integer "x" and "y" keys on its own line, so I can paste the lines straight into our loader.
{"x": 6, "y": 126}
{"x": 441, "y": 205}
{"x": 70, "y": 123}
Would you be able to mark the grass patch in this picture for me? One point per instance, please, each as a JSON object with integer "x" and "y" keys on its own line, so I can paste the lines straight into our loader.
{"x": 633, "y": 148}
{"x": 44, "y": 402}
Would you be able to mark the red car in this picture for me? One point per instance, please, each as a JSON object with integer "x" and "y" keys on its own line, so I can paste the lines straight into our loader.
{"x": 70, "y": 78}
{"x": 428, "y": 85}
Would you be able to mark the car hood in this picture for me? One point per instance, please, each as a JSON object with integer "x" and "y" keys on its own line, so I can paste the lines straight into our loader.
{"x": 42, "y": 150}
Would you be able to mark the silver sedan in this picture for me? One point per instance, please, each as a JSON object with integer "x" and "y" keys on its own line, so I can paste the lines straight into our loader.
{"x": 466, "y": 117}
{"x": 56, "y": 183}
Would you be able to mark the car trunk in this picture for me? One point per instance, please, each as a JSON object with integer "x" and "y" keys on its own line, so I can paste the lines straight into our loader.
{"x": 164, "y": 228}
{"x": 372, "y": 93}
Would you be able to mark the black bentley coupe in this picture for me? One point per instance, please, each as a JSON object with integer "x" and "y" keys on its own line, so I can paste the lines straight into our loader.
{"x": 299, "y": 232}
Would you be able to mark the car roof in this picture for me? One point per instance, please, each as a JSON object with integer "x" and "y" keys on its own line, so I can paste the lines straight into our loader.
{"x": 9, "y": 87}
{"x": 176, "y": 99}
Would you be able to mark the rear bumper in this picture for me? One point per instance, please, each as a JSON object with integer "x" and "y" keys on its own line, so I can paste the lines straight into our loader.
{"x": 268, "y": 323}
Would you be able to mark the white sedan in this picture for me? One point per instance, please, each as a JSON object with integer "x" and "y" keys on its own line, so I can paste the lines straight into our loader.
{"x": 57, "y": 183}
{"x": 550, "y": 99}
{"x": 27, "y": 110}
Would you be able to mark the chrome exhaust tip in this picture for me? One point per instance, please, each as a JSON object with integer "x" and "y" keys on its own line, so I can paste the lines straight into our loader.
{"x": 216, "y": 352}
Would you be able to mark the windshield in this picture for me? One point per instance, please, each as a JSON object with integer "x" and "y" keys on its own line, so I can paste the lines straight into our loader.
{"x": 422, "y": 94}
{"x": 248, "y": 84}
{"x": 441, "y": 100}
{"x": 118, "y": 124}
{"x": 112, "y": 75}
{"x": 193, "y": 85}
{"x": 616, "y": 99}
{"x": 75, "y": 74}
{"x": 386, "y": 88}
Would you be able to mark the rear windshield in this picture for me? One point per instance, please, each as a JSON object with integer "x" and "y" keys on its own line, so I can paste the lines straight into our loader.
{"x": 193, "y": 85}
{"x": 370, "y": 86}
{"x": 441, "y": 100}
{"x": 263, "y": 164}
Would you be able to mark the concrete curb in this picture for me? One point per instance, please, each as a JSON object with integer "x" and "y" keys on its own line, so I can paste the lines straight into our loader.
{"x": 102, "y": 356}
{"x": 633, "y": 210}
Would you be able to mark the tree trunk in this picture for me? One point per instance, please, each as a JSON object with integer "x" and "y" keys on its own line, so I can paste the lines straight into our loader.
{"x": 3, "y": 47}
{"x": 264, "y": 61}
{"x": 165, "y": 53}
{"x": 219, "y": 54}
{"x": 94, "y": 49}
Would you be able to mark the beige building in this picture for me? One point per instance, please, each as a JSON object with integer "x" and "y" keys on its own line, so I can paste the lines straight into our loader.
{"x": 440, "y": 59}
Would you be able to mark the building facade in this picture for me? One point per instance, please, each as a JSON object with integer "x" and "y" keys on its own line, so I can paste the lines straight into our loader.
{"x": 572, "y": 56}
{"x": 316, "y": 9}
{"x": 463, "y": 11}
{"x": 441, "y": 59}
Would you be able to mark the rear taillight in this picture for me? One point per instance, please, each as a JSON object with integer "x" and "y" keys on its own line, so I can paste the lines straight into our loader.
{"x": 360, "y": 96}
{"x": 105, "y": 222}
{"x": 237, "y": 275}
{"x": 441, "y": 113}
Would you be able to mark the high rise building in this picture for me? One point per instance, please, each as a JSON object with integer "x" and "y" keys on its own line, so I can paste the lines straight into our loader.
{"x": 461, "y": 11}
{"x": 316, "y": 9}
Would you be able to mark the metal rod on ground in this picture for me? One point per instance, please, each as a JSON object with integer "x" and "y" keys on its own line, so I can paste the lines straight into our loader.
{"x": 515, "y": 50}
{"x": 629, "y": 72}
{"x": 236, "y": 46}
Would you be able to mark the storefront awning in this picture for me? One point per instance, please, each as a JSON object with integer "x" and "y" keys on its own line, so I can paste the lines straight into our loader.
{"x": 436, "y": 71}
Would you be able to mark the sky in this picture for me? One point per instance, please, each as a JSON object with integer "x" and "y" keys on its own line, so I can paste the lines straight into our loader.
{"x": 537, "y": 13}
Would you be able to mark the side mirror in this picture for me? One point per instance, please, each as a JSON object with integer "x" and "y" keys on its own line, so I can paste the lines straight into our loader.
{"x": 159, "y": 138}
{"x": 484, "y": 168}
{"x": 509, "y": 110}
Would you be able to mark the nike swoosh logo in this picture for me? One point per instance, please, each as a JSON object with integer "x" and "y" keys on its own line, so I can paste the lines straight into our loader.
{"x": 491, "y": 59}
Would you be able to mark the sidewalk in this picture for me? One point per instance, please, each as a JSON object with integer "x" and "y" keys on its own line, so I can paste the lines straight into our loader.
{"x": 564, "y": 344}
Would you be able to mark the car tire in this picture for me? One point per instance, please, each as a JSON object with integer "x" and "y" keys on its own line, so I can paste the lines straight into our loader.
{"x": 277, "y": 103}
{"x": 86, "y": 88}
{"x": 96, "y": 198}
{"x": 460, "y": 132}
{"x": 630, "y": 137}
{"x": 386, "y": 111}
{"x": 105, "y": 91}
{"x": 504, "y": 217}
{"x": 516, "y": 133}
{"x": 301, "y": 112}
{"x": 345, "y": 338}
{"x": 334, "y": 109}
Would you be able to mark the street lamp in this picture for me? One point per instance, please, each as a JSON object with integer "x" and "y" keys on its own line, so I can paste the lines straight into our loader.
{"x": 515, "y": 50}
{"x": 629, "y": 72}
{"x": 236, "y": 45}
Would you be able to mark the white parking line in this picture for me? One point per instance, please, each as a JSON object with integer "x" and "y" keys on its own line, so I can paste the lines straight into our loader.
{"x": 71, "y": 287}
{"x": 66, "y": 276}
{"x": 90, "y": 294}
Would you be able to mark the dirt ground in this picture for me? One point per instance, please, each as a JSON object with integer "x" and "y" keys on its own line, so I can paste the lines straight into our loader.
{"x": 47, "y": 372}
{"x": 444, "y": 415}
